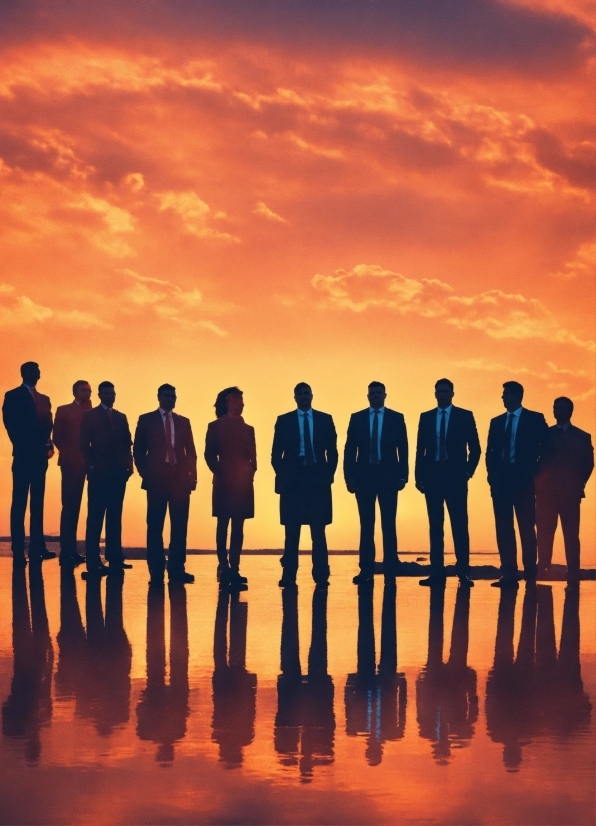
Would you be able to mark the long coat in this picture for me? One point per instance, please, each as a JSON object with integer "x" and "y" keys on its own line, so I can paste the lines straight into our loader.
{"x": 231, "y": 455}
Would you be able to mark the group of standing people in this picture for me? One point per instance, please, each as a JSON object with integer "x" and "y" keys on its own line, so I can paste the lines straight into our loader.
{"x": 536, "y": 474}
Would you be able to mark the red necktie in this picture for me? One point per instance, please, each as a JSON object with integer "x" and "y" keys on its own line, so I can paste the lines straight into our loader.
{"x": 170, "y": 457}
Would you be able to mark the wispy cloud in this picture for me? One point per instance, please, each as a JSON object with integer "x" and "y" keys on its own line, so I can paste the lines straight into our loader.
{"x": 498, "y": 314}
{"x": 18, "y": 310}
{"x": 264, "y": 211}
{"x": 195, "y": 214}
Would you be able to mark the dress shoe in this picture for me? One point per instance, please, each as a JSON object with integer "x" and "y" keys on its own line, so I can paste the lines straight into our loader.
{"x": 78, "y": 559}
{"x": 361, "y": 579}
{"x": 505, "y": 582}
{"x": 94, "y": 573}
{"x": 287, "y": 583}
{"x": 43, "y": 555}
{"x": 433, "y": 582}
{"x": 19, "y": 561}
{"x": 181, "y": 578}
{"x": 120, "y": 565}
{"x": 466, "y": 582}
{"x": 71, "y": 560}
{"x": 236, "y": 577}
{"x": 223, "y": 573}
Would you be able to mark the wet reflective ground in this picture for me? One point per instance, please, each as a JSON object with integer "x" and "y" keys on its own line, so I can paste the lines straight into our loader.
{"x": 184, "y": 706}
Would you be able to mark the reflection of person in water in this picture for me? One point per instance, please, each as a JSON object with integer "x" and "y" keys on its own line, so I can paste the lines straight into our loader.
{"x": 234, "y": 688}
{"x": 538, "y": 692}
{"x": 446, "y": 699}
{"x": 71, "y": 638}
{"x": 104, "y": 695}
{"x": 305, "y": 721}
{"x": 163, "y": 709}
{"x": 29, "y": 705}
{"x": 376, "y": 698}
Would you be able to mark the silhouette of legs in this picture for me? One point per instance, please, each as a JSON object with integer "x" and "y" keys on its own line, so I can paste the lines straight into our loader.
{"x": 366, "y": 498}
{"x": 229, "y": 561}
{"x": 439, "y": 491}
{"x": 72, "y": 484}
{"x": 320, "y": 557}
{"x": 506, "y": 502}
{"x": 28, "y": 482}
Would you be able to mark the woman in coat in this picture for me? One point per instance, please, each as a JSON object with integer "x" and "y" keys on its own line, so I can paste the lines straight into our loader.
{"x": 231, "y": 454}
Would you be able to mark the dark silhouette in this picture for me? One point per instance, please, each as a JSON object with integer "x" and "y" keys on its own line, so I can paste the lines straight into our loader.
{"x": 29, "y": 705}
{"x": 518, "y": 441}
{"x": 538, "y": 692}
{"x": 304, "y": 457}
{"x": 447, "y": 454}
{"x": 376, "y": 468}
{"x": 104, "y": 693}
{"x": 560, "y": 489}
{"x": 163, "y": 709}
{"x": 231, "y": 455}
{"x": 71, "y": 638}
{"x": 27, "y": 417}
{"x": 67, "y": 438}
{"x": 305, "y": 721}
{"x": 105, "y": 445}
{"x": 446, "y": 698}
{"x": 165, "y": 456}
{"x": 376, "y": 698}
{"x": 234, "y": 688}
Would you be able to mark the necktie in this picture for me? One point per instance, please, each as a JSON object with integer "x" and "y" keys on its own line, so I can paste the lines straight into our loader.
{"x": 170, "y": 457}
{"x": 374, "y": 440}
{"x": 508, "y": 435}
{"x": 442, "y": 439}
{"x": 109, "y": 412}
{"x": 308, "y": 454}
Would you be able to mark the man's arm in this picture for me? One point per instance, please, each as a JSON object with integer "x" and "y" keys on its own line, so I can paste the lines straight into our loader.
{"x": 587, "y": 459}
{"x": 128, "y": 441}
{"x": 86, "y": 439}
{"x": 402, "y": 446}
{"x": 474, "y": 449}
{"x": 350, "y": 453}
{"x": 61, "y": 429}
{"x": 420, "y": 455}
{"x": 140, "y": 447}
{"x": 191, "y": 455}
{"x": 332, "y": 454}
{"x": 546, "y": 447}
{"x": 277, "y": 449}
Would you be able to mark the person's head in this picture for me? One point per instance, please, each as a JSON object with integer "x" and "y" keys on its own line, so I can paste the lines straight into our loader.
{"x": 229, "y": 402}
{"x": 444, "y": 392}
{"x": 166, "y": 396}
{"x": 81, "y": 390}
{"x": 30, "y": 373}
{"x": 512, "y": 396}
{"x": 107, "y": 393}
{"x": 562, "y": 410}
{"x": 303, "y": 395}
{"x": 376, "y": 394}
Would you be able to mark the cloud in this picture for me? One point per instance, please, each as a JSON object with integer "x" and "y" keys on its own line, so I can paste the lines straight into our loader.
{"x": 116, "y": 222}
{"x": 19, "y": 310}
{"x": 583, "y": 263}
{"x": 263, "y": 210}
{"x": 196, "y": 215}
{"x": 498, "y": 314}
{"x": 576, "y": 377}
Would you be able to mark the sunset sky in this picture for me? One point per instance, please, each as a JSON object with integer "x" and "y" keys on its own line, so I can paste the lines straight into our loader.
{"x": 260, "y": 192}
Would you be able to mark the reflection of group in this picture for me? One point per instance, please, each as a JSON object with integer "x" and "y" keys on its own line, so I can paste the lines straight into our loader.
{"x": 536, "y": 475}
{"x": 531, "y": 693}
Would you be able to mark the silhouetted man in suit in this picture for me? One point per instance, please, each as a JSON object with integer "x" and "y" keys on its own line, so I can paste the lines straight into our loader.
{"x": 27, "y": 417}
{"x": 67, "y": 438}
{"x": 517, "y": 441}
{"x": 304, "y": 457}
{"x": 560, "y": 489}
{"x": 105, "y": 445}
{"x": 376, "y": 468}
{"x": 447, "y": 454}
{"x": 165, "y": 456}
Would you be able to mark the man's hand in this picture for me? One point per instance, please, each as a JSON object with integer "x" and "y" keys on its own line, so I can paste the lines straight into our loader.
{"x": 193, "y": 484}
{"x": 401, "y": 484}
{"x": 50, "y": 451}
{"x": 420, "y": 487}
{"x": 350, "y": 487}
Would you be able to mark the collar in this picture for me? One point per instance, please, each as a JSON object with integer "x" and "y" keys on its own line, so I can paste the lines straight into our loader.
{"x": 164, "y": 412}
{"x": 564, "y": 427}
{"x": 308, "y": 412}
{"x": 105, "y": 407}
{"x": 446, "y": 409}
{"x": 29, "y": 387}
{"x": 378, "y": 409}
{"x": 516, "y": 413}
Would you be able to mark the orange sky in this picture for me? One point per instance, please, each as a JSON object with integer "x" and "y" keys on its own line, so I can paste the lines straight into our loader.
{"x": 254, "y": 194}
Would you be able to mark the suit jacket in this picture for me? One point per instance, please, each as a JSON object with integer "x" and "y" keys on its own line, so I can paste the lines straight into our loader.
{"x": 533, "y": 446}
{"x": 285, "y": 454}
{"x": 150, "y": 450}
{"x": 67, "y": 435}
{"x": 571, "y": 464}
{"x": 394, "y": 448}
{"x": 28, "y": 423}
{"x": 463, "y": 445}
{"x": 105, "y": 444}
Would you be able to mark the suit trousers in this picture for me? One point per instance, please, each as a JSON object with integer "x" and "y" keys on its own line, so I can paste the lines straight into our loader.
{"x": 320, "y": 557}
{"x": 443, "y": 487}
{"x": 168, "y": 495}
{"x": 509, "y": 498}
{"x": 371, "y": 489}
{"x": 28, "y": 483}
{"x": 552, "y": 505}
{"x": 73, "y": 482}
{"x": 105, "y": 492}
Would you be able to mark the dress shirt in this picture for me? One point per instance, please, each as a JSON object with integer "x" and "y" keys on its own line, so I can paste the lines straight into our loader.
{"x": 105, "y": 407}
{"x": 312, "y": 432}
{"x": 514, "y": 423}
{"x": 164, "y": 415}
{"x": 563, "y": 427}
{"x": 371, "y": 418}
{"x": 439, "y": 417}
{"x": 29, "y": 387}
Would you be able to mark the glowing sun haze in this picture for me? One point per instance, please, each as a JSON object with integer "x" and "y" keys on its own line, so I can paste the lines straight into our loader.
{"x": 260, "y": 193}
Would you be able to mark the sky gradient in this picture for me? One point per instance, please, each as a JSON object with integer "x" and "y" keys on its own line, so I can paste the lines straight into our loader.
{"x": 260, "y": 193}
